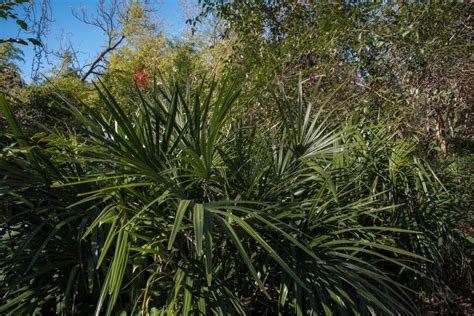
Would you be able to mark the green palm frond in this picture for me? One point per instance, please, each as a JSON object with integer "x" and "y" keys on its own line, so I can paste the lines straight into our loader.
{"x": 178, "y": 207}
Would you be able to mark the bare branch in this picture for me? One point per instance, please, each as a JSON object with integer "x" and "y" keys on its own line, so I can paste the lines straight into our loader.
{"x": 107, "y": 19}
{"x": 100, "y": 58}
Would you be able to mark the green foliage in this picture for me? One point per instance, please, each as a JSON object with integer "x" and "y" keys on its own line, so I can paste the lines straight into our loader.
{"x": 10, "y": 78}
{"x": 238, "y": 194}
{"x": 408, "y": 60}
{"x": 457, "y": 174}
{"x": 42, "y": 240}
{"x": 11, "y": 83}
{"x": 66, "y": 68}
{"x": 177, "y": 208}
{"x": 421, "y": 202}
{"x": 9, "y": 54}
{"x": 8, "y": 10}
{"x": 42, "y": 103}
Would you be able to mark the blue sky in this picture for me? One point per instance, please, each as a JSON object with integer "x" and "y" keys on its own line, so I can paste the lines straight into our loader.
{"x": 85, "y": 38}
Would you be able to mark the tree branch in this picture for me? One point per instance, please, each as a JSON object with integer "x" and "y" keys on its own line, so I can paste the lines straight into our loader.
{"x": 99, "y": 58}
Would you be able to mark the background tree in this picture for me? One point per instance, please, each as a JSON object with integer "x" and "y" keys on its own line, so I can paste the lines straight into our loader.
{"x": 11, "y": 83}
{"x": 386, "y": 54}
{"x": 107, "y": 18}
{"x": 10, "y": 76}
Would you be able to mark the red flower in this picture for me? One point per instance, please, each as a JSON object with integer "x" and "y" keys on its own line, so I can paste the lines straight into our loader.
{"x": 466, "y": 229}
{"x": 140, "y": 76}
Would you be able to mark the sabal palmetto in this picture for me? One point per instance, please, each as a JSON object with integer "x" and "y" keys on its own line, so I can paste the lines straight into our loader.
{"x": 44, "y": 261}
{"x": 388, "y": 166}
{"x": 177, "y": 208}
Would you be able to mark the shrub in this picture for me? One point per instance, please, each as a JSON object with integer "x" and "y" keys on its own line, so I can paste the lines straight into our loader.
{"x": 178, "y": 208}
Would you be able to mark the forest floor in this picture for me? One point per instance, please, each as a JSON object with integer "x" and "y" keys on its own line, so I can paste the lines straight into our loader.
{"x": 450, "y": 303}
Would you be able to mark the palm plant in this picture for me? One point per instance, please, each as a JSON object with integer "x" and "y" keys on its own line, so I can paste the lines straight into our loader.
{"x": 388, "y": 166}
{"x": 177, "y": 208}
{"x": 45, "y": 264}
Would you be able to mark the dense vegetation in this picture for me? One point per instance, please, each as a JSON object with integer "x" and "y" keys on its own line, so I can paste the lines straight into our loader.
{"x": 286, "y": 157}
